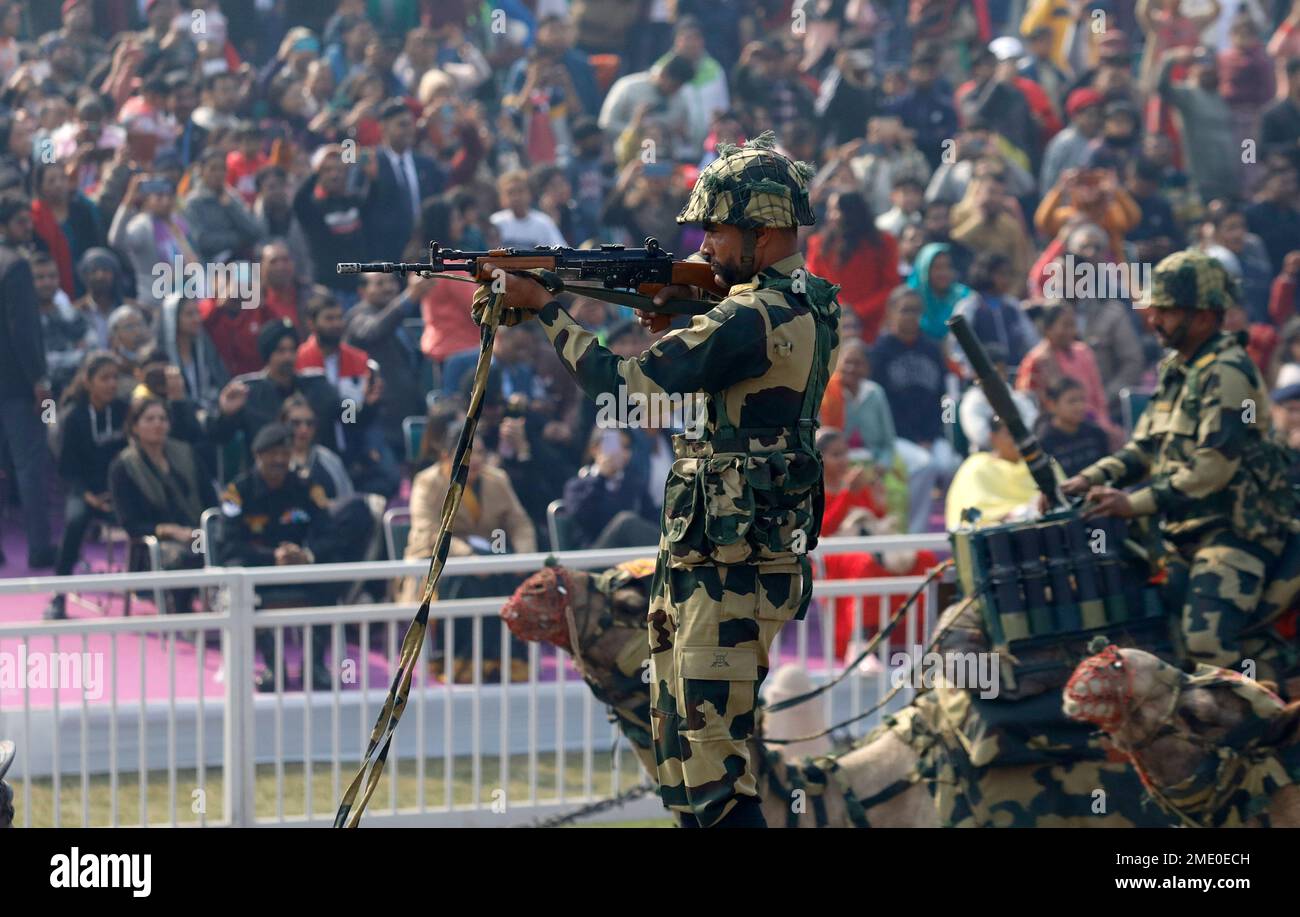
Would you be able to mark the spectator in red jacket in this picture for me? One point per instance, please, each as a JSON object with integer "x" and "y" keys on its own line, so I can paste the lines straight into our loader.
{"x": 233, "y": 323}
{"x": 863, "y": 260}
{"x": 344, "y": 365}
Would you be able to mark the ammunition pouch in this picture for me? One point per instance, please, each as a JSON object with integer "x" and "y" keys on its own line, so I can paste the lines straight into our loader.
{"x": 740, "y": 507}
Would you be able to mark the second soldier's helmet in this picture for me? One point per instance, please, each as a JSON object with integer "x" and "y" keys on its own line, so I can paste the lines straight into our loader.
{"x": 751, "y": 187}
{"x": 1191, "y": 280}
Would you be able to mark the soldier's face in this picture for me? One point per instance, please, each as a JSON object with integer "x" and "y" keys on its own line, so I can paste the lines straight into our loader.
{"x": 722, "y": 245}
{"x": 1172, "y": 326}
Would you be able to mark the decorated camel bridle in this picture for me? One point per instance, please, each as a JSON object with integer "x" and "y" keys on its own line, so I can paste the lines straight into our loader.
{"x": 1102, "y": 687}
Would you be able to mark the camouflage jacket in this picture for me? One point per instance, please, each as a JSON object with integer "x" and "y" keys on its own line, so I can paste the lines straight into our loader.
{"x": 1202, "y": 449}
{"x": 745, "y": 485}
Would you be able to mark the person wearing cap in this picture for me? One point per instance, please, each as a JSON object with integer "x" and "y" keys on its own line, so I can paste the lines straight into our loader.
{"x": 404, "y": 179}
{"x": 100, "y": 273}
{"x": 1286, "y": 422}
{"x": 1120, "y": 142}
{"x": 1069, "y": 149}
{"x": 742, "y": 501}
{"x": 1210, "y": 473}
{"x": 1209, "y": 148}
{"x": 277, "y": 345}
{"x": 270, "y": 517}
{"x": 992, "y": 97}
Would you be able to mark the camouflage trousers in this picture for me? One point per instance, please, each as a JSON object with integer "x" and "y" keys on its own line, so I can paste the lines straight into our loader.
{"x": 711, "y": 627}
{"x": 1224, "y": 577}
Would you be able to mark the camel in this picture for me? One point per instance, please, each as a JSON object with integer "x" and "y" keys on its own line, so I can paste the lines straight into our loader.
{"x": 1213, "y": 747}
{"x": 909, "y": 772}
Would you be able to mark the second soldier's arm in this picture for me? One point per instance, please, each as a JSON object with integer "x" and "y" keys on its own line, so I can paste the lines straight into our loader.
{"x": 1130, "y": 464}
{"x": 1222, "y": 433}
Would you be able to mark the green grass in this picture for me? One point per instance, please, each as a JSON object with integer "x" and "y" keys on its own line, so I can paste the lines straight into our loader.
{"x": 324, "y": 801}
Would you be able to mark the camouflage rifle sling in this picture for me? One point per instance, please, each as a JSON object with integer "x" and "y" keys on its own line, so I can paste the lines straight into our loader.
{"x": 385, "y": 727}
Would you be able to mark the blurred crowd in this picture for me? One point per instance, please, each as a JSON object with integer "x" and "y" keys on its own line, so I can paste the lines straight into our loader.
{"x": 179, "y": 179}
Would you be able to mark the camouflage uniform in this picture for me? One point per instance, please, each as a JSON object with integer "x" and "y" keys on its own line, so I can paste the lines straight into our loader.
{"x": 743, "y": 502}
{"x": 1212, "y": 474}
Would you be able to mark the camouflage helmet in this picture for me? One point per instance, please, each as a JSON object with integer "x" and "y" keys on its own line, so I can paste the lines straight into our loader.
{"x": 1191, "y": 280}
{"x": 751, "y": 187}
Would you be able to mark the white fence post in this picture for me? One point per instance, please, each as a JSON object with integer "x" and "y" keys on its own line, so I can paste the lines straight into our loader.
{"x": 241, "y": 774}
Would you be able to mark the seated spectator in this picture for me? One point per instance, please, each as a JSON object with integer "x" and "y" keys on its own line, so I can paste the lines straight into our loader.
{"x": 1275, "y": 215}
{"x": 858, "y": 406}
{"x": 342, "y": 426}
{"x": 1287, "y": 358}
{"x": 994, "y": 315}
{"x": 512, "y": 354}
{"x": 445, "y": 307}
{"x": 906, "y": 198}
{"x": 1092, "y": 195}
{"x": 155, "y": 376}
{"x": 1065, "y": 432}
{"x": 1284, "y": 298}
{"x": 910, "y": 367}
{"x": 271, "y": 517}
{"x": 67, "y": 335}
{"x": 1286, "y": 420}
{"x": 1252, "y": 268}
{"x": 853, "y": 253}
{"x": 336, "y": 219}
{"x": 186, "y": 343}
{"x": 128, "y": 336}
{"x": 491, "y": 521}
{"x": 233, "y": 322}
{"x": 1060, "y": 353}
{"x": 147, "y": 229}
{"x": 309, "y": 459}
{"x": 101, "y": 277}
{"x": 855, "y": 498}
{"x": 90, "y": 432}
{"x": 221, "y": 225}
{"x": 988, "y": 221}
{"x": 273, "y": 210}
{"x": 65, "y": 220}
{"x": 935, "y": 283}
{"x": 995, "y": 482}
{"x": 519, "y": 223}
{"x": 283, "y": 291}
{"x": 377, "y": 325}
{"x": 607, "y": 504}
{"x": 245, "y": 162}
{"x": 158, "y": 488}
{"x": 1157, "y": 235}
{"x": 342, "y": 364}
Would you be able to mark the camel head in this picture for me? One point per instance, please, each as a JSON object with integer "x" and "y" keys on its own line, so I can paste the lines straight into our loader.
{"x": 537, "y": 610}
{"x": 1174, "y": 725}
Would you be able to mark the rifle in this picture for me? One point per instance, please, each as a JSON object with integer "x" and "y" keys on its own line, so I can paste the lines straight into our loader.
{"x": 999, "y": 396}
{"x": 612, "y": 273}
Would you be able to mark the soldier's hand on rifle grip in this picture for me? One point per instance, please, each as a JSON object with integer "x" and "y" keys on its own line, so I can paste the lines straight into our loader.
{"x": 655, "y": 322}
{"x": 1075, "y": 486}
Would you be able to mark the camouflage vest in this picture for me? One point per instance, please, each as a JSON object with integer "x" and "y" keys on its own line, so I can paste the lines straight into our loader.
{"x": 746, "y": 495}
{"x": 1273, "y": 504}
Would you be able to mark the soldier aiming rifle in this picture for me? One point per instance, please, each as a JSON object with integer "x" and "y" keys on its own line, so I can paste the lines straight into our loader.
{"x": 743, "y": 504}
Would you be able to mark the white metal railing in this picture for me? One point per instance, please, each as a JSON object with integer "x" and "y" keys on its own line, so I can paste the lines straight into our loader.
{"x": 461, "y": 748}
